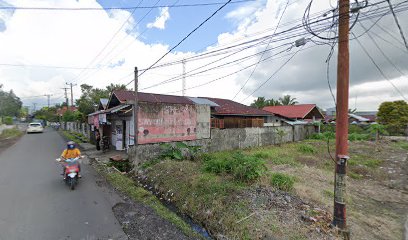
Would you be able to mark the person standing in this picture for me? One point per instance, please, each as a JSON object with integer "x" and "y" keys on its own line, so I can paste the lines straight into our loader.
{"x": 97, "y": 139}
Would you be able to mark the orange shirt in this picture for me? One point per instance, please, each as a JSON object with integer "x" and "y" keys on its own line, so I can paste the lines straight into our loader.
{"x": 71, "y": 153}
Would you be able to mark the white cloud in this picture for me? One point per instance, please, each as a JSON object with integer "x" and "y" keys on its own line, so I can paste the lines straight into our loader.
{"x": 160, "y": 21}
{"x": 67, "y": 38}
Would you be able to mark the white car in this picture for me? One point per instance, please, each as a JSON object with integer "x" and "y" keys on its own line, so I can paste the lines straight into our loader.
{"x": 35, "y": 128}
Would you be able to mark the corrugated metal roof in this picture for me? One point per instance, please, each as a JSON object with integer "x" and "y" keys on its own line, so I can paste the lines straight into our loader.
{"x": 124, "y": 96}
{"x": 228, "y": 107}
{"x": 359, "y": 118}
{"x": 291, "y": 111}
{"x": 203, "y": 101}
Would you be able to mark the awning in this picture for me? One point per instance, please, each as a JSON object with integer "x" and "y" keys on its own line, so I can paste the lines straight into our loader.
{"x": 116, "y": 108}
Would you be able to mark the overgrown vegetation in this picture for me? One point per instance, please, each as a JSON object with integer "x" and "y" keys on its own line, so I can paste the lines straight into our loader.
{"x": 282, "y": 181}
{"x": 129, "y": 187}
{"x": 178, "y": 151}
{"x": 243, "y": 167}
{"x": 123, "y": 166}
{"x": 229, "y": 191}
{"x": 74, "y": 136}
{"x": 10, "y": 133}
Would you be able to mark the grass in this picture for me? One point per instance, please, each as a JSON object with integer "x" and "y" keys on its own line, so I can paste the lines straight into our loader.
{"x": 127, "y": 186}
{"x": 10, "y": 133}
{"x": 401, "y": 145}
{"x": 75, "y": 137}
{"x": 282, "y": 181}
{"x": 364, "y": 160}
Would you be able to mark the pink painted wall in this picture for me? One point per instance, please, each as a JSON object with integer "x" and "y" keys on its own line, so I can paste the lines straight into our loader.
{"x": 166, "y": 123}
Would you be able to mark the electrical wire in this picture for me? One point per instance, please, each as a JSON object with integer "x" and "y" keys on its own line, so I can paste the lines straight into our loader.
{"x": 182, "y": 40}
{"x": 378, "y": 68}
{"x": 398, "y": 25}
{"x": 119, "y": 8}
{"x": 260, "y": 58}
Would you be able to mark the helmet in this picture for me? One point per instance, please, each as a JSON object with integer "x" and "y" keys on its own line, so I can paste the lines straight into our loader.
{"x": 70, "y": 145}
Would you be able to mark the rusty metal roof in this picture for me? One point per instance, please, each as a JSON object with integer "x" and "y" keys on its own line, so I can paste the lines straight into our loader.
{"x": 228, "y": 107}
{"x": 124, "y": 96}
{"x": 291, "y": 111}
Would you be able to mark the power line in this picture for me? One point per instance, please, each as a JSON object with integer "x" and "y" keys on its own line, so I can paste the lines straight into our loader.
{"x": 383, "y": 53}
{"x": 274, "y": 73}
{"x": 126, "y": 36}
{"x": 119, "y": 8}
{"x": 398, "y": 25}
{"x": 110, "y": 40}
{"x": 270, "y": 40}
{"x": 378, "y": 67}
{"x": 188, "y": 35}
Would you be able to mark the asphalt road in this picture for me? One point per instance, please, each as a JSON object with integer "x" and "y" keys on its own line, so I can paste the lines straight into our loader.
{"x": 36, "y": 204}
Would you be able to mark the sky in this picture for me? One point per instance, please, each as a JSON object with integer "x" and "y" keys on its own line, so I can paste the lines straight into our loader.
{"x": 42, "y": 50}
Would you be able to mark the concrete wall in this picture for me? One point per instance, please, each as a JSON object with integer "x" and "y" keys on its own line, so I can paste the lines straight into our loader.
{"x": 228, "y": 139}
{"x": 172, "y": 122}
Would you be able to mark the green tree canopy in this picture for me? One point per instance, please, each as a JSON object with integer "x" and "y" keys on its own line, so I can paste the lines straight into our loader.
{"x": 394, "y": 115}
{"x": 90, "y": 96}
{"x": 287, "y": 100}
{"x": 261, "y": 102}
{"x": 47, "y": 114}
{"x": 10, "y": 104}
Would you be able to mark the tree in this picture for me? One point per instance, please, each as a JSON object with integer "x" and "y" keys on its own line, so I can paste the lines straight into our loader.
{"x": 261, "y": 102}
{"x": 10, "y": 104}
{"x": 287, "y": 100}
{"x": 47, "y": 113}
{"x": 394, "y": 115}
{"x": 91, "y": 96}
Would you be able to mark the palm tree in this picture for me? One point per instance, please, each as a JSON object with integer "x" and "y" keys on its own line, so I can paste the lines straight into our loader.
{"x": 287, "y": 100}
{"x": 273, "y": 102}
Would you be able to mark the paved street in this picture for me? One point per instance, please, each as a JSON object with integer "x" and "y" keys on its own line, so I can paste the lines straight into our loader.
{"x": 36, "y": 204}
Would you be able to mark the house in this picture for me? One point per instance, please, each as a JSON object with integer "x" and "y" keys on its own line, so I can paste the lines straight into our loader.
{"x": 61, "y": 111}
{"x": 168, "y": 118}
{"x": 229, "y": 114}
{"x": 301, "y": 113}
{"x": 161, "y": 118}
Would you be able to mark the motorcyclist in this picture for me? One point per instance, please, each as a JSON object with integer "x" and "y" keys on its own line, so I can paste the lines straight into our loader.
{"x": 71, "y": 152}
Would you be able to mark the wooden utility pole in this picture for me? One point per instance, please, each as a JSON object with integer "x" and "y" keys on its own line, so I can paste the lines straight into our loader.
{"x": 136, "y": 108}
{"x": 342, "y": 120}
{"x": 72, "y": 93}
{"x": 48, "y": 98}
{"x": 66, "y": 95}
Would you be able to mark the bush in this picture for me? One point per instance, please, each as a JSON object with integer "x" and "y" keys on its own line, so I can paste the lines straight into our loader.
{"x": 242, "y": 167}
{"x": 9, "y": 133}
{"x": 358, "y": 137}
{"x": 282, "y": 181}
{"x": 305, "y": 148}
{"x": 355, "y": 129}
{"x": 175, "y": 152}
{"x": 8, "y": 120}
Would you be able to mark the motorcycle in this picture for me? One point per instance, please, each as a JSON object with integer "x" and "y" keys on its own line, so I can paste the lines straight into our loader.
{"x": 71, "y": 171}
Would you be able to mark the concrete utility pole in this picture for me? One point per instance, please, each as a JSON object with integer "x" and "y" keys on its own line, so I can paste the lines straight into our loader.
{"x": 48, "y": 98}
{"x": 184, "y": 78}
{"x": 66, "y": 95}
{"x": 136, "y": 108}
{"x": 342, "y": 120}
{"x": 72, "y": 93}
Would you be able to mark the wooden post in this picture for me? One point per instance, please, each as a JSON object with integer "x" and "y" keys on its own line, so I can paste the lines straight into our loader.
{"x": 342, "y": 120}
{"x": 136, "y": 109}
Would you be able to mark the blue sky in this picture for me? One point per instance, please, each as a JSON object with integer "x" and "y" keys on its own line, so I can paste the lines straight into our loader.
{"x": 182, "y": 21}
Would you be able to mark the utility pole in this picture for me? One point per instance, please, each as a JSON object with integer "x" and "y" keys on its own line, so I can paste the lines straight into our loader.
{"x": 48, "y": 99}
{"x": 34, "y": 106}
{"x": 136, "y": 109}
{"x": 339, "y": 219}
{"x": 72, "y": 93}
{"x": 66, "y": 95}
{"x": 184, "y": 78}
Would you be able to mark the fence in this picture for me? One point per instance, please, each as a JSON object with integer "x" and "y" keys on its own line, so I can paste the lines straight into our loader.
{"x": 77, "y": 127}
{"x": 229, "y": 139}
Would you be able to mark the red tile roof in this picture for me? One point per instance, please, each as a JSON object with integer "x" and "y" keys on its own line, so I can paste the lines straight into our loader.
{"x": 291, "y": 111}
{"x": 123, "y": 96}
{"x": 228, "y": 107}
